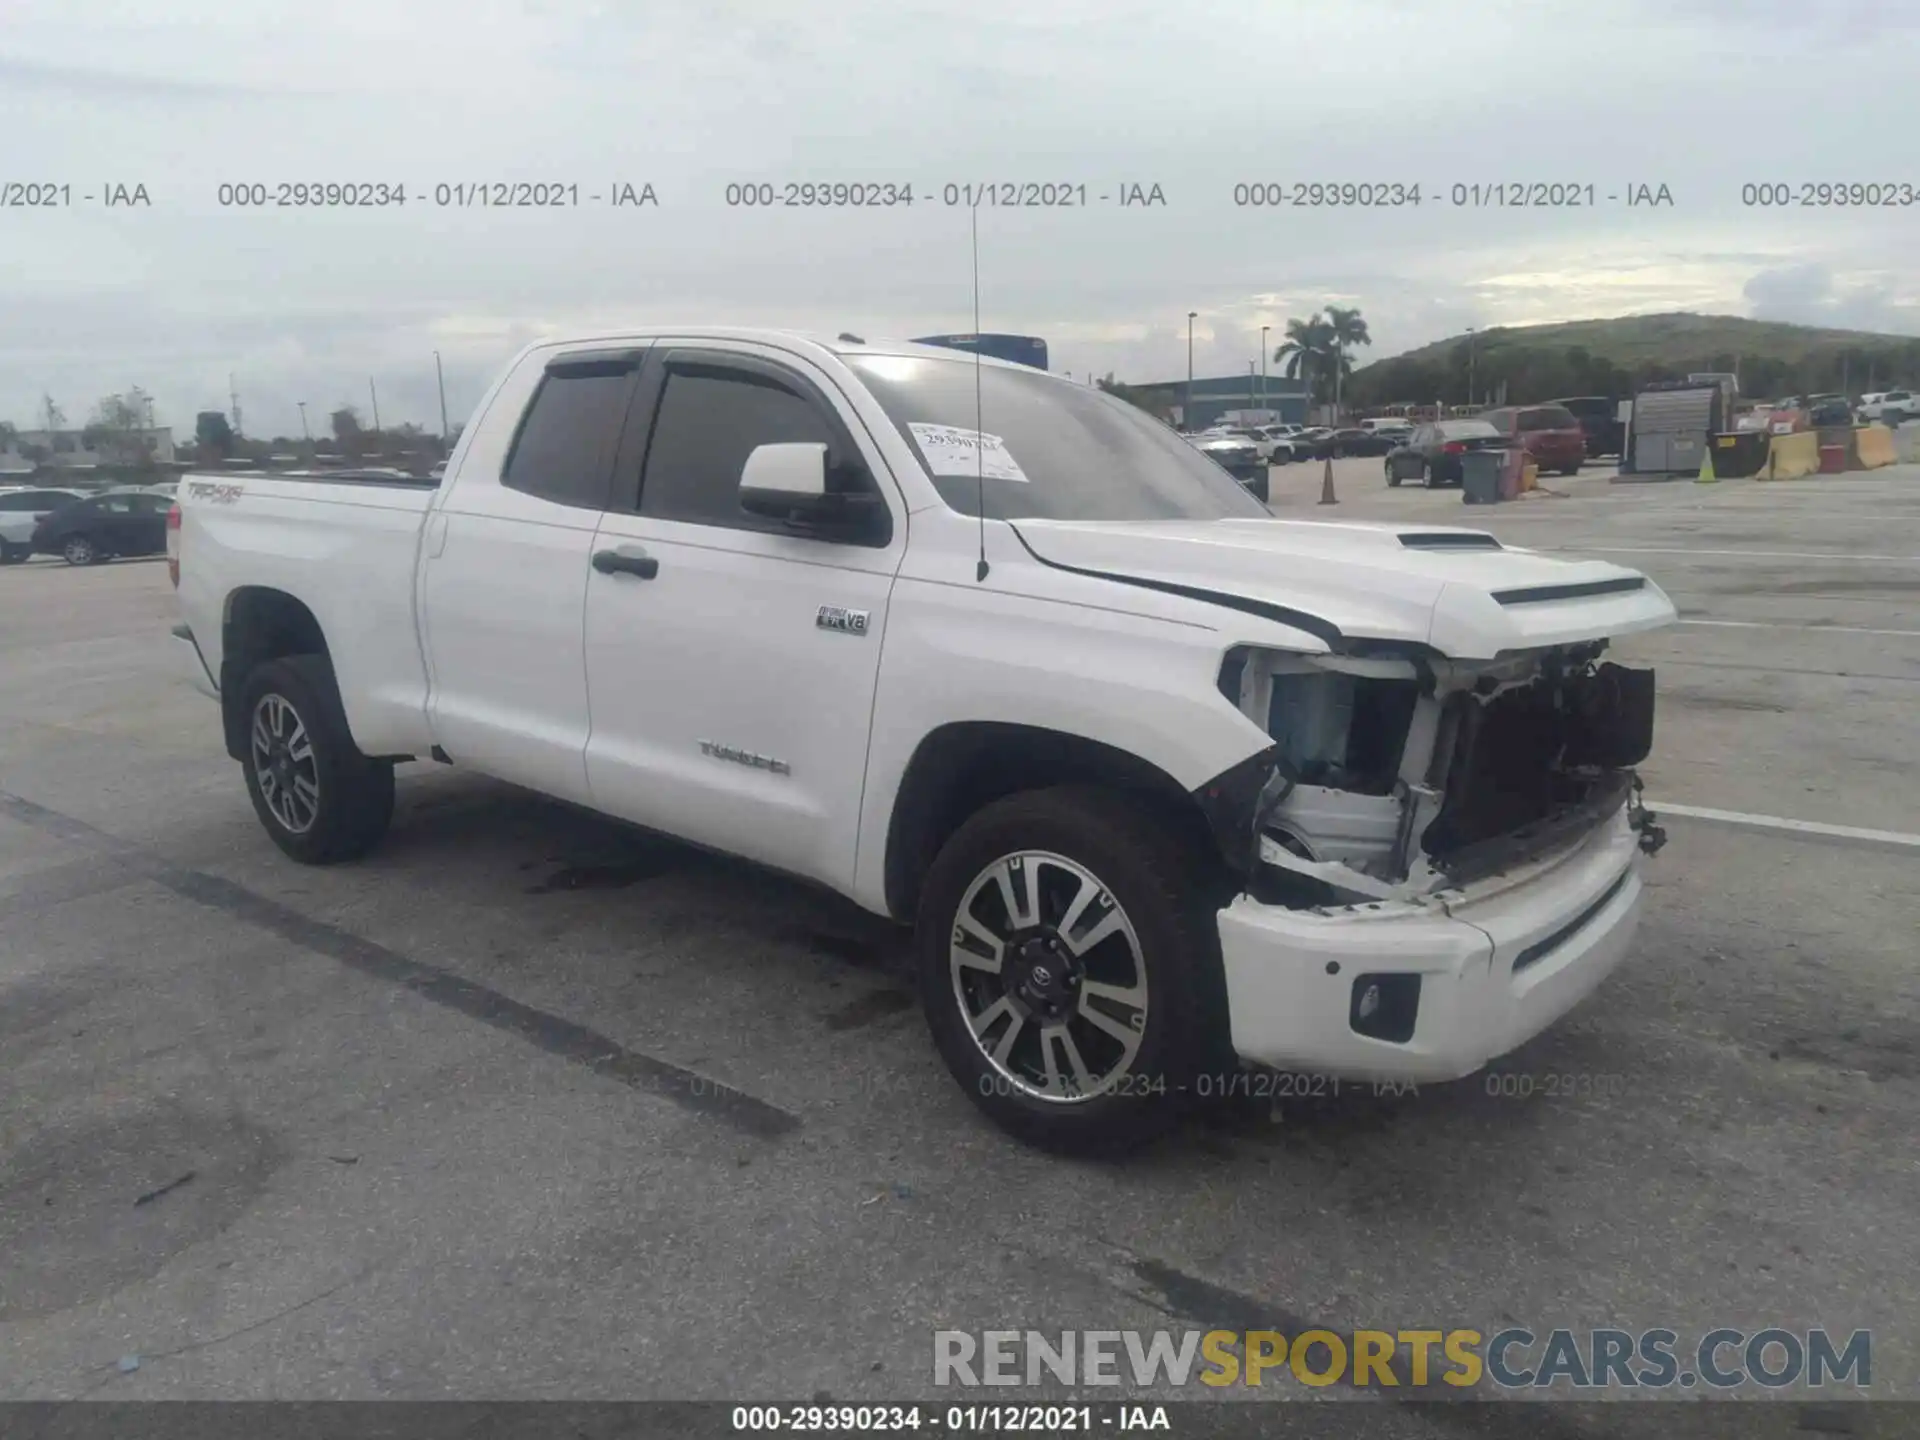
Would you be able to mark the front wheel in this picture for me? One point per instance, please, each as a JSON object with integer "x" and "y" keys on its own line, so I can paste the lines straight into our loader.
{"x": 1070, "y": 969}
{"x": 1393, "y": 476}
{"x": 80, "y": 550}
{"x": 1427, "y": 477}
{"x": 319, "y": 798}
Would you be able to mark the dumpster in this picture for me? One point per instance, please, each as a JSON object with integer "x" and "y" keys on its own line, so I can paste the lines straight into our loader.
{"x": 1480, "y": 474}
{"x": 1739, "y": 454}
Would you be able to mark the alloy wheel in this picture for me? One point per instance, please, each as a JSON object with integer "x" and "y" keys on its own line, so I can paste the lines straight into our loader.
{"x": 285, "y": 765}
{"x": 1049, "y": 976}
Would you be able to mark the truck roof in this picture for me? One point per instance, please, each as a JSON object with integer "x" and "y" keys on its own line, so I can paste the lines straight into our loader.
{"x": 843, "y": 344}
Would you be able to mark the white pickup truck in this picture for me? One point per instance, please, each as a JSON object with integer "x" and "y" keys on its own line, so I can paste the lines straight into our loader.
{"x": 1166, "y": 785}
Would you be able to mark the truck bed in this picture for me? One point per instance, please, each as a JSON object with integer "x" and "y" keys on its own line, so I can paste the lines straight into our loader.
{"x": 348, "y": 544}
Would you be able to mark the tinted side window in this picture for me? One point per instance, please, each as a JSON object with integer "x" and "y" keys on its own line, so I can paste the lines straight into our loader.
{"x": 118, "y": 505}
{"x": 707, "y": 424}
{"x": 19, "y": 502}
{"x": 1548, "y": 417}
{"x": 564, "y": 451}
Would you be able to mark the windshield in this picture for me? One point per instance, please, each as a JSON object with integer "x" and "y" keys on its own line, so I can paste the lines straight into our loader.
{"x": 1052, "y": 450}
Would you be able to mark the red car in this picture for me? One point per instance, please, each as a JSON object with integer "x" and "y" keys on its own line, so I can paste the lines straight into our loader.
{"x": 1552, "y": 434}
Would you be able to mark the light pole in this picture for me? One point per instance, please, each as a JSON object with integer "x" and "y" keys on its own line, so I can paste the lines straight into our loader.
{"x": 441, "y": 376}
{"x": 1471, "y": 344}
{"x": 374, "y": 396}
{"x": 305, "y": 433}
{"x": 1187, "y": 416}
{"x": 1263, "y": 365}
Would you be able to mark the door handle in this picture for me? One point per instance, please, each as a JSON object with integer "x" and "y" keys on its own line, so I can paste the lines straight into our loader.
{"x": 619, "y": 562}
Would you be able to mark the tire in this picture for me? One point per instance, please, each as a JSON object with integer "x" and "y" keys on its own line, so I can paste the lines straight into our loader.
{"x": 346, "y": 802}
{"x": 1426, "y": 474}
{"x": 1569, "y": 469}
{"x": 1393, "y": 477}
{"x": 14, "y": 554}
{"x": 80, "y": 550}
{"x": 1075, "y": 839}
{"x": 1259, "y": 488}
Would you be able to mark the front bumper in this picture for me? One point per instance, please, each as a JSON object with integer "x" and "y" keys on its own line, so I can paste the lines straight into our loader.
{"x": 192, "y": 664}
{"x": 1497, "y": 963}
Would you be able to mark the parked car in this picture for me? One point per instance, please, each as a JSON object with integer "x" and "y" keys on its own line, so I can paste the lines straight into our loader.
{"x": 1239, "y": 457}
{"x": 1829, "y": 411}
{"x": 1431, "y": 454}
{"x": 1351, "y": 440}
{"x": 1599, "y": 417}
{"x": 657, "y": 584}
{"x": 21, "y": 510}
{"x": 100, "y": 527}
{"x": 1889, "y": 407}
{"x": 1549, "y": 433}
{"x": 1273, "y": 443}
{"x": 1391, "y": 427}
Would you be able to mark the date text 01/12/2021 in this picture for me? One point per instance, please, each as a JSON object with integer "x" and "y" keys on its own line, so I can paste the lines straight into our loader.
{"x": 1489, "y": 195}
{"x": 1279, "y": 1085}
{"x": 960, "y": 1419}
{"x": 444, "y": 195}
{"x": 971, "y": 194}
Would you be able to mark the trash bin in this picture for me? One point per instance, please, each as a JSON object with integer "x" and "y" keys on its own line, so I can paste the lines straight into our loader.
{"x": 1739, "y": 454}
{"x": 1480, "y": 472}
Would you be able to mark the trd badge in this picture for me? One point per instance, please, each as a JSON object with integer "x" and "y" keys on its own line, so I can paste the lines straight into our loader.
{"x": 848, "y": 622}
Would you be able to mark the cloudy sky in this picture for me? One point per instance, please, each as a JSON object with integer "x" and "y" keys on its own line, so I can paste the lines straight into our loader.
{"x": 183, "y": 96}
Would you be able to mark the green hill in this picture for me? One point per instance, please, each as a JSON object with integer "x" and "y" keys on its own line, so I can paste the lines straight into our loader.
{"x": 1611, "y": 357}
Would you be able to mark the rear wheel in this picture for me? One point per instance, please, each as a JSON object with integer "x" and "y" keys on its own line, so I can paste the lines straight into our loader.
{"x": 1258, "y": 486}
{"x": 320, "y": 799}
{"x": 1070, "y": 970}
{"x": 13, "y": 554}
{"x": 1393, "y": 476}
{"x": 80, "y": 550}
{"x": 1427, "y": 477}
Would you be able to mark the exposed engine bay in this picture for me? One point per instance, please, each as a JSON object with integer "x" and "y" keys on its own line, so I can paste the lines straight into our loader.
{"x": 1396, "y": 777}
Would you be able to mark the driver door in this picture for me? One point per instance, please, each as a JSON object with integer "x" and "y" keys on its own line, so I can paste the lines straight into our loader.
{"x": 731, "y": 661}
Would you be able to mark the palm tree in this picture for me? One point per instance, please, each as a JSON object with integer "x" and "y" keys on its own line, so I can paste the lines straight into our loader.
{"x": 1308, "y": 352}
{"x": 1349, "y": 329}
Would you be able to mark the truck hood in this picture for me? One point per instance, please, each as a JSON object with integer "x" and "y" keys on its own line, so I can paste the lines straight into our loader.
{"x": 1457, "y": 590}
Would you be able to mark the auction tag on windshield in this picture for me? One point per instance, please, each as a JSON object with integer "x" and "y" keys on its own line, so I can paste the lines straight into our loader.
{"x": 952, "y": 451}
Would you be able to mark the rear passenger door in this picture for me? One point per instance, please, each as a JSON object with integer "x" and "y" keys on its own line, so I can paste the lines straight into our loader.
{"x": 504, "y": 567}
{"x": 147, "y": 526}
{"x": 733, "y": 659}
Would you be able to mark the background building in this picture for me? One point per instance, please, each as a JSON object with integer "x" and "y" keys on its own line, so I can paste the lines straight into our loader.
{"x": 1214, "y": 396}
{"x": 70, "y": 450}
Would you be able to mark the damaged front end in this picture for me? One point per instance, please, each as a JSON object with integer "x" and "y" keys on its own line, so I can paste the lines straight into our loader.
{"x": 1404, "y": 776}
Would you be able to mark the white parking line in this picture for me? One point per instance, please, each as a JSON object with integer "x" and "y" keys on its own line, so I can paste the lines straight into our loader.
{"x": 1795, "y": 625}
{"x": 1745, "y": 554}
{"x": 1795, "y": 827}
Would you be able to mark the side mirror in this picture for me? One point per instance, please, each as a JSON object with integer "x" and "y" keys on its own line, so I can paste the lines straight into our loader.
{"x": 785, "y": 481}
{"x": 791, "y": 482}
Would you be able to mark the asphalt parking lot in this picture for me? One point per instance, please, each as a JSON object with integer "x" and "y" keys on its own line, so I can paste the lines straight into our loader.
{"x": 526, "y": 1106}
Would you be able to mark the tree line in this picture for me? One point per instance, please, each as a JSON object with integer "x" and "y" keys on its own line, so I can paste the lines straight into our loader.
{"x": 1319, "y": 351}
{"x": 1532, "y": 373}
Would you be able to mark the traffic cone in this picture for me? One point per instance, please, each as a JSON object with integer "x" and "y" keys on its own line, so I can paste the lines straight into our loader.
{"x": 1326, "y": 484}
{"x": 1706, "y": 475}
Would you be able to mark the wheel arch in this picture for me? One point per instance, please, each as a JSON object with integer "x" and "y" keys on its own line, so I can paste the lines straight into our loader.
{"x": 259, "y": 623}
{"x": 961, "y": 767}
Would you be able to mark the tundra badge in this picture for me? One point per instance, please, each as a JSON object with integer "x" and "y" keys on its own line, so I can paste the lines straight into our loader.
{"x": 850, "y": 622}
